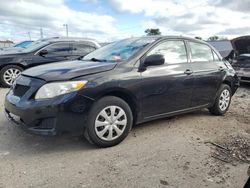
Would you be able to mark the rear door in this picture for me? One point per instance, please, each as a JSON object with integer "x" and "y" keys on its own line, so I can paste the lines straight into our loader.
{"x": 208, "y": 72}
{"x": 167, "y": 88}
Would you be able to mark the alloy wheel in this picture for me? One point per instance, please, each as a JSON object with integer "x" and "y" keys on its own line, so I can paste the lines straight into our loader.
{"x": 224, "y": 100}
{"x": 10, "y": 75}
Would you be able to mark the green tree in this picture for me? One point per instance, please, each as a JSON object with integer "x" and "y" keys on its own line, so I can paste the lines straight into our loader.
{"x": 213, "y": 38}
{"x": 152, "y": 31}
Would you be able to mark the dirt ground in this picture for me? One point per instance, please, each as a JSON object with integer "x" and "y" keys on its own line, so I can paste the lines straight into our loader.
{"x": 172, "y": 152}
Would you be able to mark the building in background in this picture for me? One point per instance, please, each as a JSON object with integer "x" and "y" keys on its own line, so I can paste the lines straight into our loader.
{"x": 6, "y": 43}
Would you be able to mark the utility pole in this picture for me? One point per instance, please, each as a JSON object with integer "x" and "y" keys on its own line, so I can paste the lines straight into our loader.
{"x": 67, "y": 30}
{"x": 41, "y": 32}
{"x": 29, "y": 35}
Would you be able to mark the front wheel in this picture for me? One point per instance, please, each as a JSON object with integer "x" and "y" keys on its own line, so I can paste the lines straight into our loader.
{"x": 222, "y": 101}
{"x": 109, "y": 122}
{"x": 8, "y": 74}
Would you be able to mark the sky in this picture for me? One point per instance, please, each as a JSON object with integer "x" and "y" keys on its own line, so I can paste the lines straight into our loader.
{"x": 109, "y": 20}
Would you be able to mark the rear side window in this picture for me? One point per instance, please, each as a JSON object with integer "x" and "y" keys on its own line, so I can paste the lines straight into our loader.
{"x": 59, "y": 49}
{"x": 173, "y": 51}
{"x": 201, "y": 52}
{"x": 82, "y": 48}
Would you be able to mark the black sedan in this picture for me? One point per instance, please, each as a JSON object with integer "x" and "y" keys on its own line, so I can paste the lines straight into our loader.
{"x": 121, "y": 84}
{"x": 13, "y": 62}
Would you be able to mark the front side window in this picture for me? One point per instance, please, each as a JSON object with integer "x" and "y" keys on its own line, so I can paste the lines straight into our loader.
{"x": 201, "y": 52}
{"x": 59, "y": 49}
{"x": 173, "y": 51}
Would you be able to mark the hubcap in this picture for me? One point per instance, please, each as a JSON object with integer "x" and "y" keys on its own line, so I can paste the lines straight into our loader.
{"x": 224, "y": 100}
{"x": 110, "y": 123}
{"x": 10, "y": 75}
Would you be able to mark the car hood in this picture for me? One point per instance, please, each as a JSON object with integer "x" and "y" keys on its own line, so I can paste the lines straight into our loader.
{"x": 68, "y": 70}
{"x": 14, "y": 51}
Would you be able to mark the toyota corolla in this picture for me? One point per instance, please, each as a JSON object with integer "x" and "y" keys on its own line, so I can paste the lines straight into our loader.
{"x": 119, "y": 85}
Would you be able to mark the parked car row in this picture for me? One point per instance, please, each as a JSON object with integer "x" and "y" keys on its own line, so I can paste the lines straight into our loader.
{"x": 103, "y": 94}
{"x": 13, "y": 62}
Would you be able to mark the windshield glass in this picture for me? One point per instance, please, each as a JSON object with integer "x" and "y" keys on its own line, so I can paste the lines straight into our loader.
{"x": 23, "y": 44}
{"x": 119, "y": 51}
{"x": 35, "y": 46}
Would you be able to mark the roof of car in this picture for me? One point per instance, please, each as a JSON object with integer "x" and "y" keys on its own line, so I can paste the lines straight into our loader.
{"x": 70, "y": 39}
{"x": 160, "y": 37}
{"x": 182, "y": 37}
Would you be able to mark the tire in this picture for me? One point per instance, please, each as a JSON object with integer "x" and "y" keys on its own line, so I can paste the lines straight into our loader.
{"x": 109, "y": 114}
{"x": 223, "y": 97}
{"x": 9, "y": 72}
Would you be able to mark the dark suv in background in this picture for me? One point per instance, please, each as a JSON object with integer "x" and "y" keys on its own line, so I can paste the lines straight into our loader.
{"x": 43, "y": 51}
{"x": 241, "y": 65}
{"x": 123, "y": 83}
{"x": 237, "y": 52}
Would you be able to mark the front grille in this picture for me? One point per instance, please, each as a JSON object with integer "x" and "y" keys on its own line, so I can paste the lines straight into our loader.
{"x": 48, "y": 123}
{"x": 20, "y": 90}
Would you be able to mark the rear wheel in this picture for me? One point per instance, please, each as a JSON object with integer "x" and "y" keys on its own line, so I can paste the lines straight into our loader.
{"x": 8, "y": 75}
{"x": 109, "y": 122}
{"x": 222, "y": 101}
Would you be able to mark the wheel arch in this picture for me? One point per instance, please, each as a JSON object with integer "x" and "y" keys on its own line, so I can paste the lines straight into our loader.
{"x": 231, "y": 84}
{"x": 227, "y": 82}
{"x": 128, "y": 97}
{"x": 15, "y": 64}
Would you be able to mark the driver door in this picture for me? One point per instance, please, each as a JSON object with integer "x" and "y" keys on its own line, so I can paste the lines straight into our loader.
{"x": 167, "y": 88}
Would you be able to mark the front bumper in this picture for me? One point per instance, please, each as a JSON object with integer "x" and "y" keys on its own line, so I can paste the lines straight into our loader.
{"x": 66, "y": 113}
{"x": 49, "y": 130}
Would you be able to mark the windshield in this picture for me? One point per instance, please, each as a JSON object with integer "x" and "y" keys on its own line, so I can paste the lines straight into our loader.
{"x": 119, "y": 51}
{"x": 23, "y": 44}
{"x": 35, "y": 46}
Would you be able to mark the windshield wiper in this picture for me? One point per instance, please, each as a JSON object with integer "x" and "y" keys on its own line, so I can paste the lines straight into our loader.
{"x": 98, "y": 60}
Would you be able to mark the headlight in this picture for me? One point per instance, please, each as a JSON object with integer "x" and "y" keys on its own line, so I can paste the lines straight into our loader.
{"x": 51, "y": 90}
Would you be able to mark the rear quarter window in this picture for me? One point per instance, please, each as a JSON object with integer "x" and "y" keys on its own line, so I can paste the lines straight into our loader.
{"x": 200, "y": 52}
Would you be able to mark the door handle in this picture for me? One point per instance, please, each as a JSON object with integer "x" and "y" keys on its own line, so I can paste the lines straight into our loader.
{"x": 188, "y": 72}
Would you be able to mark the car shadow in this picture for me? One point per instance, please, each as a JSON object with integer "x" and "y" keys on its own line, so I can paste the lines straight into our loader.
{"x": 22, "y": 143}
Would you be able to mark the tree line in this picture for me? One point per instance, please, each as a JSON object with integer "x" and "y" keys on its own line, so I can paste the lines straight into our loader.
{"x": 156, "y": 31}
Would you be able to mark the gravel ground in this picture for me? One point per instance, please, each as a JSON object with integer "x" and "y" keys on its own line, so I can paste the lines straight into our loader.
{"x": 172, "y": 152}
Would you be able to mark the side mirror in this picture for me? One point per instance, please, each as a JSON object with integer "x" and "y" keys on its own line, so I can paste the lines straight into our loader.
{"x": 43, "y": 52}
{"x": 153, "y": 60}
